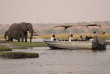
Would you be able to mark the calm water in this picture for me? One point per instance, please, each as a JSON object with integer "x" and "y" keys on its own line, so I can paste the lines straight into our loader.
{"x": 59, "y": 62}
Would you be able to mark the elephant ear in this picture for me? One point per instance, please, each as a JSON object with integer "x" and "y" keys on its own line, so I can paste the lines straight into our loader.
{"x": 24, "y": 26}
{"x": 29, "y": 26}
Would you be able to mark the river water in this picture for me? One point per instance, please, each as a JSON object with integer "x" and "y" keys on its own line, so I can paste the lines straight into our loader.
{"x": 59, "y": 62}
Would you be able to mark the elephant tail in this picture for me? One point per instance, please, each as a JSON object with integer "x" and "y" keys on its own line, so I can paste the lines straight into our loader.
{"x": 5, "y": 35}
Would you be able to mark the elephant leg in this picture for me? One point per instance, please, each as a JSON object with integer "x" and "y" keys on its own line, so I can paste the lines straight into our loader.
{"x": 11, "y": 39}
{"x": 26, "y": 37}
{"x": 22, "y": 37}
{"x": 18, "y": 39}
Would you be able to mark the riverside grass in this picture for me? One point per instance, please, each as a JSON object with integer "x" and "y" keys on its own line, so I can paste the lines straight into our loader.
{"x": 108, "y": 43}
{"x": 65, "y": 36}
{"x": 4, "y": 52}
{"x": 4, "y": 48}
{"x": 18, "y": 55}
{"x": 25, "y": 45}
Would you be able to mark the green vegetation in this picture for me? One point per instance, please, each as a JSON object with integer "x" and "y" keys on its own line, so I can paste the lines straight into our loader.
{"x": 65, "y": 36}
{"x": 3, "y": 41}
{"x": 1, "y": 37}
{"x": 18, "y": 55}
{"x": 2, "y": 52}
{"x": 4, "y": 48}
{"x": 108, "y": 43}
{"x": 106, "y": 37}
{"x": 24, "y": 45}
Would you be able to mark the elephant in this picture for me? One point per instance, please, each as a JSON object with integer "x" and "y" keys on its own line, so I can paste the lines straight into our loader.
{"x": 14, "y": 35}
{"x": 23, "y": 27}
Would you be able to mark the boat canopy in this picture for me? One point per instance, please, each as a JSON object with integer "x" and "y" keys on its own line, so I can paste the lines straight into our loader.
{"x": 68, "y": 26}
{"x": 64, "y": 26}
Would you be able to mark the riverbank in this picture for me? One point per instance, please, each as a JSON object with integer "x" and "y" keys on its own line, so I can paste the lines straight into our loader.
{"x": 22, "y": 45}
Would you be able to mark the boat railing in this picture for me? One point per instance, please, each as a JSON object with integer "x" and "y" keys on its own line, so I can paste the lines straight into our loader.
{"x": 71, "y": 40}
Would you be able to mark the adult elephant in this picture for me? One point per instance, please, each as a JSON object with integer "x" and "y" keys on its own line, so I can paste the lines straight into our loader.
{"x": 14, "y": 35}
{"x": 23, "y": 27}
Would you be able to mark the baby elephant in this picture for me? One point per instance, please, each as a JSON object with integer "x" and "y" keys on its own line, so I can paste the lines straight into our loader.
{"x": 13, "y": 35}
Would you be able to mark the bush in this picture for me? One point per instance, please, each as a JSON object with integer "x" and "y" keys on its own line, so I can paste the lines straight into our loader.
{"x": 18, "y": 55}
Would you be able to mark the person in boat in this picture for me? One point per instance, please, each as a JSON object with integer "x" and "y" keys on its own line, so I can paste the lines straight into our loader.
{"x": 88, "y": 38}
{"x": 81, "y": 38}
{"x": 103, "y": 32}
{"x": 53, "y": 38}
{"x": 95, "y": 37}
{"x": 71, "y": 37}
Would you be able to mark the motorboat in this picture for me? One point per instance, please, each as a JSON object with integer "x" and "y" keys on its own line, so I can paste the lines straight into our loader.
{"x": 77, "y": 44}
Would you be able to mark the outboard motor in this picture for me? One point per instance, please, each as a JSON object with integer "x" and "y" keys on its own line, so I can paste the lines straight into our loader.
{"x": 102, "y": 43}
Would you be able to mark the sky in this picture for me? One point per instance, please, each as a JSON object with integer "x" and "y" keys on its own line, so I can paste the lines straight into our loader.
{"x": 54, "y": 11}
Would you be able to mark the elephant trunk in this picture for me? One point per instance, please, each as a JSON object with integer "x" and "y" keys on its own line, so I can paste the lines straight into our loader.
{"x": 31, "y": 32}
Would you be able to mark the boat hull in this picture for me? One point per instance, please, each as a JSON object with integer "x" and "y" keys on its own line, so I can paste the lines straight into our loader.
{"x": 71, "y": 44}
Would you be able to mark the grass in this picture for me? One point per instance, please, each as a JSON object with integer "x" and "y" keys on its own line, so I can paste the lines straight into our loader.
{"x": 65, "y": 36}
{"x": 108, "y": 43}
{"x": 3, "y": 41}
{"x": 4, "y": 48}
{"x": 2, "y": 37}
{"x": 18, "y": 55}
{"x": 2, "y": 52}
{"x": 24, "y": 45}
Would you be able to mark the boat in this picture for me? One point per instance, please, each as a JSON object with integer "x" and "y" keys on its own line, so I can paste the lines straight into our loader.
{"x": 77, "y": 44}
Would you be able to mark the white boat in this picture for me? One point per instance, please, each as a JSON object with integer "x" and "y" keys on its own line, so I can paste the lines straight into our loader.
{"x": 58, "y": 44}
{"x": 75, "y": 44}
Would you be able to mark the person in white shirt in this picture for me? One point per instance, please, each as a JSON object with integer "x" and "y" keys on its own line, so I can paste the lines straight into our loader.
{"x": 71, "y": 37}
{"x": 53, "y": 38}
{"x": 95, "y": 37}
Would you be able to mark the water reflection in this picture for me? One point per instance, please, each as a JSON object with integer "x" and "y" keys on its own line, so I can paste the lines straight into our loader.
{"x": 59, "y": 62}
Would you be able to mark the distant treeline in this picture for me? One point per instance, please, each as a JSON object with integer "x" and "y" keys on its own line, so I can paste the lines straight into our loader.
{"x": 47, "y": 27}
